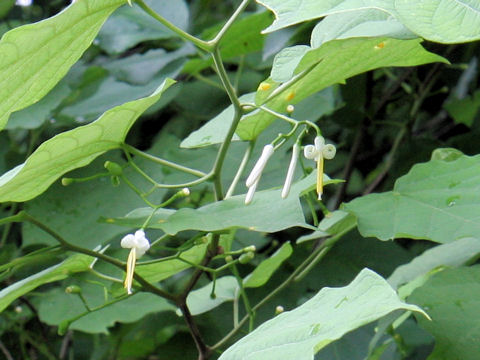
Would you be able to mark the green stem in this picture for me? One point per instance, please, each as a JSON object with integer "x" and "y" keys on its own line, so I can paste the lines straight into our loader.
{"x": 134, "y": 151}
{"x": 23, "y": 216}
{"x": 184, "y": 35}
{"x": 241, "y": 168}
{"x": 217, "y": 167}
{"x": 246, "y": 302}
{"x": 218, "y": 38}
{"x": 8, "y": 226}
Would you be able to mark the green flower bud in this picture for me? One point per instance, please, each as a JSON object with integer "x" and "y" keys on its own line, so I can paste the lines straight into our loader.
{"x": 113, "y": 168}
{"x": 246, "y": 258}
{"x": 73, "y": 289}
{"x": 67, "y": 181}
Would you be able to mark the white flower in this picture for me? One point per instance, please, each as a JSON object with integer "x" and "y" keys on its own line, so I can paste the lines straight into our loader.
{"x": 254, "y": 177}
{"x": 291, "y": 171}
{"x": 260, "y": 165}
{"x": 319, "y": 152}
{"x": 139, "y": 245}
{"x": 136, "y": 241}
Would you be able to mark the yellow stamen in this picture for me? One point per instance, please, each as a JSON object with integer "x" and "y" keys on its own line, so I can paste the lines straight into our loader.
{"x": 320, "y": 177}
{"x": 132, "y": 257}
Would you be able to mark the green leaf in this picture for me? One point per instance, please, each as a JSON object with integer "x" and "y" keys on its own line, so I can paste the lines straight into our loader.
{"x": 442, "y": 21}
{"x": 33, "y": 58}
{"x": 163, "y": 270}
{"x": 265, "y": 270}
{"x": 436, "y": 20}
{"x": 242, "y": 38}
{"x": 34, "y": 116}
{"x": 74, "y": 264}
{"x": 300, "y": 333}
{"x": 73, "y": 149}
{"x": 329, "y": 64}
{"x": 362, "y": 23}
{"x": 452, "y": 299}
{"x": 199, "y": 301}
{"x": 57, "y": 306}
{"x": 437, "y": 201}
{"x": 453, "y": 254}
{"x": 130, "y": 26}
{"x": 267, "y": 212}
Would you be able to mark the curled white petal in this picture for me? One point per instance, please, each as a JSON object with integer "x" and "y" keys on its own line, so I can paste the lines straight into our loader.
{"x": 291, "y": 171}
{"x": 329, "y": 151}
{"x": 260, "y": 165}
{"x": 251, "y": 192}
{"x": 128, "y": 241}
{"x": 310, "y": 152}
{"x": 319, "y": 143}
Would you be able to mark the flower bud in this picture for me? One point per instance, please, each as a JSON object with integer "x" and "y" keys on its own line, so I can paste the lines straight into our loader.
{"x": 290, "y": 108}
{"x": 113, "y": 168}
{"x": 67, "y": 181}
{"x": 279, "y": 309}
{"x": 251, "y": 248}
{"x": 73, "y": 289}
{"x": 185, "y": 191}
{"x": 291, "y": 171}
{"x": 246, "y": 258}
{"x": 228, "y": 259}
{"x": 260, "y": 165}
{"x": 250, "y": 193}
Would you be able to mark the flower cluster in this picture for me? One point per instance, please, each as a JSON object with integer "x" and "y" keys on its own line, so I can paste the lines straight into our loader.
{"x": 317, "y": 152}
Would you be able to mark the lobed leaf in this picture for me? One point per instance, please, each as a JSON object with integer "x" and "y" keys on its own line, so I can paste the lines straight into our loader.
{"x": 300, "y": 333}
{"x": 436, "y": 201}
{"x": 34, "y": 57}
{"x": 73, "y": 149}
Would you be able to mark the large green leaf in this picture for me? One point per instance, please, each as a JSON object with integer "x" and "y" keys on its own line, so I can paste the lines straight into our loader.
{"x": 452, "y": 299}
{"x": 33, "y": 58}
{"x": 73, "y": 149}
{"x": 437, "y": 20}
{"x": 57, "y": 306}
{"x": 452, "y": 254}
{"x": 444, "y": 21}
{"x": 74, "y": 264}
{"x": 300, "y": 333}
{"x": 362, "y": 23}
{"x": 437, "y": 201}
{"x": 332, "y": 63}
{"x": 267, "y": 212}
